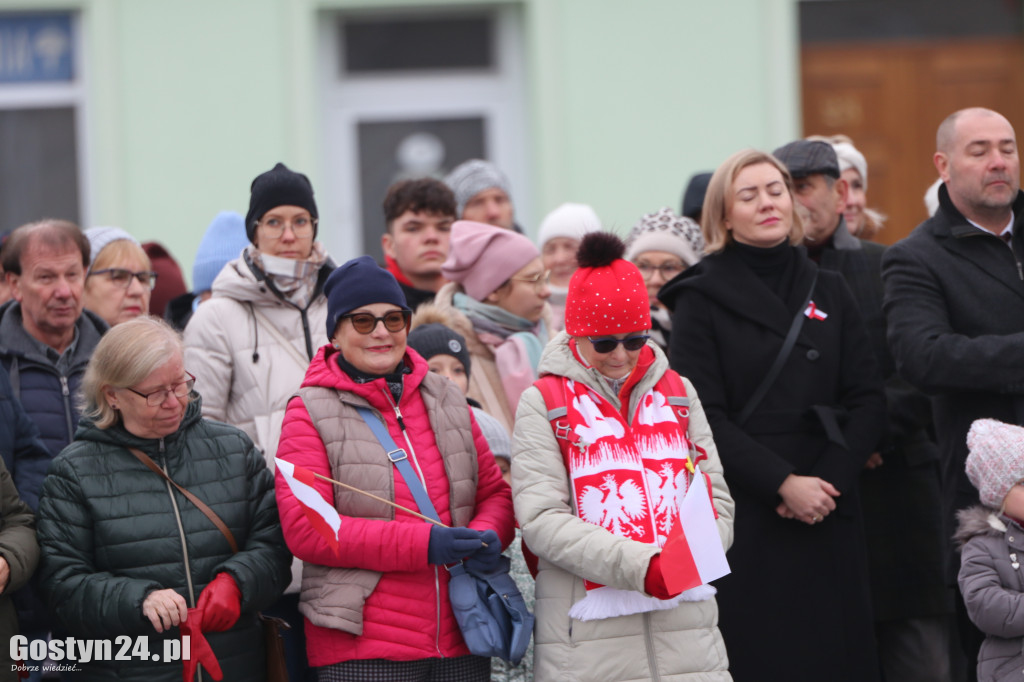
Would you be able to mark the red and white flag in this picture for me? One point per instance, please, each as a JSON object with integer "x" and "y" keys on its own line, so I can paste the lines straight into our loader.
{"x": 322, "y": 516}
{"x": 814, "y": 312}
{"x": 693, "y": 554}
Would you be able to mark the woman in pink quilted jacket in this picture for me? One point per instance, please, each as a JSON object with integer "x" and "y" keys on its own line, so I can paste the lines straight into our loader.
{"x": 376, "y": 601}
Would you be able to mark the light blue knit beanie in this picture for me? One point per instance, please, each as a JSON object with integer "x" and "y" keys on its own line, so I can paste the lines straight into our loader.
{"x": 223, "y": 241}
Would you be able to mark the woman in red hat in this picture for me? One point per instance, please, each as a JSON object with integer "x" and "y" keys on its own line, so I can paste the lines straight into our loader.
{"x": 596, "y": 489}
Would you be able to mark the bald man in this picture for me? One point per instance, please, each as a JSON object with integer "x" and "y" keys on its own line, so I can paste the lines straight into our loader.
{"x": 954, "y": 294}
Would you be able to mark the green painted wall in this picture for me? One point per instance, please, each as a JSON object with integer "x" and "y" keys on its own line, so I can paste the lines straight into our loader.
{"x": 187, "y": 100}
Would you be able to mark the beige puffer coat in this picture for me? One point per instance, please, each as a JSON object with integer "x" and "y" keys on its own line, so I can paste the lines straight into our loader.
{"x": 249, "y": 352}
{"x": 683, "y": 643}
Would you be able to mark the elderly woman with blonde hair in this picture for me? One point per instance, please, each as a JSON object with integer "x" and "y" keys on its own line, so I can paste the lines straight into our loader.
{"x": 779, "y": 353}
{"x": 127, "y": 548}
{"x": 120, "y": 280}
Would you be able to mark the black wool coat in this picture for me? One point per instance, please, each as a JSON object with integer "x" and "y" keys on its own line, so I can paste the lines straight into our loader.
{"x": 954, "y": 302}
{"x": 901, "y": 499}
{"x": 796, "y": 605}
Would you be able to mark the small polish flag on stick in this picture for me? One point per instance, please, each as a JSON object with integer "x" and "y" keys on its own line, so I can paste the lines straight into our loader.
{"x": 693, "y": 554}
{"x": 322, "y": 516}
{"x": 297, "y": 477}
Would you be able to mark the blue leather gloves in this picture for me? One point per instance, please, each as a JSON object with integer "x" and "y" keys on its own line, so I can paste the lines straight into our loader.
{"x": 486, "y": 558}
{"x": 450, "y": 545}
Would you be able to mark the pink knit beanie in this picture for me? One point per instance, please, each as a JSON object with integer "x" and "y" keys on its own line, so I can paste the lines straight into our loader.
{"x": 607, "y": 295}
{"x": 995, "y": 462}
{"x": 482, "y": 257}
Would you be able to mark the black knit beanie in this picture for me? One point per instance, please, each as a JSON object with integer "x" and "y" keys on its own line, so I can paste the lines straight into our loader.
{"x": 436, "y": 339}
{"x": 279, "y": 186}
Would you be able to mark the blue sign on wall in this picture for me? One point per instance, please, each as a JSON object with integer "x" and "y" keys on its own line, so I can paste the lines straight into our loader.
{"x": 35, "y": 48}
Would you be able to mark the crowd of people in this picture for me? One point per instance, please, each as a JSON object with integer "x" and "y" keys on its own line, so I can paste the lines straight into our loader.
{"x": 842, "y": 409}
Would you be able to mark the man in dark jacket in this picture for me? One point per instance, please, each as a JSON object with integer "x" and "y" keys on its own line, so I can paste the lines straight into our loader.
{"x": 900, "y": 483}
{"x": 46, "y": 340}
{"x": 954, "y": 296}
{"x": 419, "y": 215}
{"x": 46, "y": 336}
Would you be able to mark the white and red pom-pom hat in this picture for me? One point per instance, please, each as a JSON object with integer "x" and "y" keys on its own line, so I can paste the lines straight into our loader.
{"x": 607, "y": 295}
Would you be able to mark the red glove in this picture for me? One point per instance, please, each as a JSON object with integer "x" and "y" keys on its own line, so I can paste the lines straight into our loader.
{"x": 220, "y": 603}
{"x": 199, "y": 649}
{"x": 654, "y": 581}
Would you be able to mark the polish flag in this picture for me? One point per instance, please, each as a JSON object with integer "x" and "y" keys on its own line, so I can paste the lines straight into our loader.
{"x": 814, "y": 312}
{"x": 693, "y": 554}
{"x": 322, "y": 516}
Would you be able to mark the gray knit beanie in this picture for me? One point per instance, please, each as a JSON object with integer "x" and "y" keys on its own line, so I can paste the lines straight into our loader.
{"x": 472, "y": 177}
{"x": 995, "y": 462}
{"x": 99, "y": 237}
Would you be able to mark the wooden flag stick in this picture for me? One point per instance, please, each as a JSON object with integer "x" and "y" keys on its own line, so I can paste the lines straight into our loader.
{"x": 380, "y": 499}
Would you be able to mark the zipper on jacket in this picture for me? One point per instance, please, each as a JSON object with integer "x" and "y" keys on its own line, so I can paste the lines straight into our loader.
{"x": 652, "y": 660}
{"x": 66, "y": 392}
{"x": 309, "y": 337}
{"x": 184, "y": 545}
{"x": 181, "y": 528}
{"x": 411, "y": 454}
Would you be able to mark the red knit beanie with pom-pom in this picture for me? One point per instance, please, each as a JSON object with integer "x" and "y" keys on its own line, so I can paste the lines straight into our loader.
{"x": 607, "y": 295}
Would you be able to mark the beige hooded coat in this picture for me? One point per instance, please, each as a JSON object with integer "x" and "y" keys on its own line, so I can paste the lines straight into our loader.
{"x": 679, "y": 644}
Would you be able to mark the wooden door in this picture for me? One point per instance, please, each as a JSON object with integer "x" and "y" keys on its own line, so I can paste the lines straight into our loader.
{"x": 890, "y": 98}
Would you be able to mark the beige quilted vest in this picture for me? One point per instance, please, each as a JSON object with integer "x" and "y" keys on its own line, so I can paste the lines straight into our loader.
{"x": 334, "y": 597}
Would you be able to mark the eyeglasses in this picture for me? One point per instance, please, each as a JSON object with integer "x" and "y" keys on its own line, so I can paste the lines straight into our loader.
{"x": 539, "y": 281}
{"x": 365, "y": 323}
{"x": 302, "y": 227}
{"x": 608, "y": 344}
{"x": 667, "y": 270}
{"x": 155, "y": 398}
{"x": 123, "y": 278}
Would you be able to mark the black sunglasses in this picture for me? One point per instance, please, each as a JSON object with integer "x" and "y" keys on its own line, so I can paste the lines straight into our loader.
{"x": 365, "y": 323}
{"x": 631, "y": 343}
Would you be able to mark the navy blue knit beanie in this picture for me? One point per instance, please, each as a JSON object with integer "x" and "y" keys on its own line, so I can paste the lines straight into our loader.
{"x": 279, "y": 186}
{"x": 357, "y": 283}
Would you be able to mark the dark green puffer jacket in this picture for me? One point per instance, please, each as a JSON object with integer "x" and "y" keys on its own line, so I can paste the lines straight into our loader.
{"x": 109, "y": 536}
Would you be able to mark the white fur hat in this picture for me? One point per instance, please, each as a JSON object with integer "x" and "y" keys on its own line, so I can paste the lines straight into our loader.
{"x": 568, "y": 220}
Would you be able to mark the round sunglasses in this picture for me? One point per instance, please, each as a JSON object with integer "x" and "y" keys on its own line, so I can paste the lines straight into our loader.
{"x": 365, "y": 323}
{"x": 630, "y": 343}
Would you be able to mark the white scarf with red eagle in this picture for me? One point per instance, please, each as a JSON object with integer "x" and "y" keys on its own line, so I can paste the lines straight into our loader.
{"x": 629, "y": 479}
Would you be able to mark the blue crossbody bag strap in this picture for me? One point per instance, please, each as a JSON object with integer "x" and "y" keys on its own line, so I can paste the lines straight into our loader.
{"x": 400, "y": 459}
